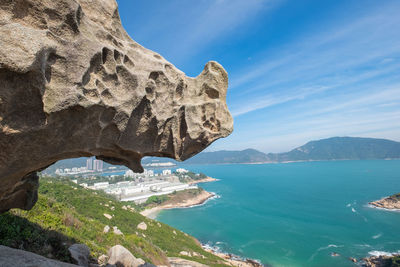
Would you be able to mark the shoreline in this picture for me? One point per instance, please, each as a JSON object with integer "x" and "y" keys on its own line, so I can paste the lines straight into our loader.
{"x": 279, "y": 162}
{"x": 379, "y": 258}
{"x": 201, "y": 199}
{"x": 232, "y": 259}
{"x": 197, "y": 200}
{"x": 390, "y": 203}
{"x": 369, "y": 205}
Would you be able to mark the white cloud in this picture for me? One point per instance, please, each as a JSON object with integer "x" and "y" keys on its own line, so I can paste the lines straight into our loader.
{"x": 346, "y": 55}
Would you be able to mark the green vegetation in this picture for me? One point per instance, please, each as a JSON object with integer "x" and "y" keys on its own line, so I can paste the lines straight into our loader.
{"x": 67, "y": 213}
{"x": 156, "y": 200}
{"x": 173, "y": 198}
{"x": 190, "y": 176}
{"x": 337, "y": 148}
{"x": 391, "y": 262}
{"x": 394, "y": 262}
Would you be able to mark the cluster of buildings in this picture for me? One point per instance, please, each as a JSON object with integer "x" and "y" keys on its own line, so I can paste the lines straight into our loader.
{"x": 146, "y": 185}
{"x": 147, "y": 174}
{"x": 92, "y": 165}
{"x": 71, "y": 171}
{"x": 140, "y": 186}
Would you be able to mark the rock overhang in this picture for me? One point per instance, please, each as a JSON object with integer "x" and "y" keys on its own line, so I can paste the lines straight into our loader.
{"x": 73, "y": 83}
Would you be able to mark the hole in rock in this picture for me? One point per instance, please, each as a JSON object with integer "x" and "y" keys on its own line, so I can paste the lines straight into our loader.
{"x": 161, "y": 176}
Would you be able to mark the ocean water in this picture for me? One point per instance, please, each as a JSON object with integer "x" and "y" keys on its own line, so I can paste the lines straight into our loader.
{"x": 296, "y": 214}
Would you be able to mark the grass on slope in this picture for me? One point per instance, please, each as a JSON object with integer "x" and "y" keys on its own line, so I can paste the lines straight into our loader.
{"x": 67, "y": 213}
{"x": 173, "y": 198}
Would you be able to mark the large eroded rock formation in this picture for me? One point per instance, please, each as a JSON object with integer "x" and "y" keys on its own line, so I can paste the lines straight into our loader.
{"x": 73, "y": 84}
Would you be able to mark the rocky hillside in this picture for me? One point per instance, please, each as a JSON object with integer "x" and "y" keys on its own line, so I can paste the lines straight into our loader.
{"x": 66, "y": 214}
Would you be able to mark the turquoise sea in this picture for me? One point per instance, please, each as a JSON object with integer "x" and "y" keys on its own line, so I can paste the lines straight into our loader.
{"x": 296, "y": 214}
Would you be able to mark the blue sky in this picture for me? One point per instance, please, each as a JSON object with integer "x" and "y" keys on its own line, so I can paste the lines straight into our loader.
{"x": 298, "y": 70}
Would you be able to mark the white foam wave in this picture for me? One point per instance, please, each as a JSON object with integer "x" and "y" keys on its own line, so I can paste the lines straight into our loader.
{"x": 334, "y": 246}
{"x": 363, "y": 217}
{"x": 378, "y": 253}
{"x": 215, "y": 196}
{"x": 217, "y": 249}
{"x": 377, "y": 236}
{"x": 379, "y": 208}
{"x": 363, "y": 245}
{"x": 348, "y": 205}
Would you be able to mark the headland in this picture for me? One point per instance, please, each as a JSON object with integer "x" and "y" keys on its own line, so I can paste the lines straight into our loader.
{"x": 390, "y": 203}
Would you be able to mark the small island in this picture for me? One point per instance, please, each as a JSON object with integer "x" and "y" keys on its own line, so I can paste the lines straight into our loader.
{"x": 390, "y": 203}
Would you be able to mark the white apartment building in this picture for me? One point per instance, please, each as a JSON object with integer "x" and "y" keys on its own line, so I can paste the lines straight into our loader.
{"x": 166, "y": 172}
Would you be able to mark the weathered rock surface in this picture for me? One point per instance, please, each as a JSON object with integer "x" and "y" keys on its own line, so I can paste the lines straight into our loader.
{"x": 121, "y": 257}
{"x": 22, "y": 258}
{"x": 73, "y": 84}
{"x": 117, "y": 231}
{"x": 80, "y": 253}
{"x": 102, "y": 260}
{"x": 142, "y": 226}
{"x": 391, "y": 203}
{"x": 378, "y": 261}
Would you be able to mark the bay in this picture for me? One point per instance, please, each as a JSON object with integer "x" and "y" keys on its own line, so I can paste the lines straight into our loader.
{"x": 296, "y": 214}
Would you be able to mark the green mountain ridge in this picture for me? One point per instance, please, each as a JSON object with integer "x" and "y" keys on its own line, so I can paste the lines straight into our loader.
{"x": 334, "y": 148}
{"x": 341, "y": 148}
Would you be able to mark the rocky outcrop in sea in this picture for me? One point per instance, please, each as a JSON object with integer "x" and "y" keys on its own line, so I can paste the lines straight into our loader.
{"x": 391, "y": 203}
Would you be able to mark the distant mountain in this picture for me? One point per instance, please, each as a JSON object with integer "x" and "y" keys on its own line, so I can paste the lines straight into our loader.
{"x": 70, "y": 163}
{"x": 335, "y": 148}
{"x": 224, "y": 156}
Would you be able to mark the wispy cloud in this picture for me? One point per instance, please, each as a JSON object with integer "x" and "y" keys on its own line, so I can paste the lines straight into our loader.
{"x": 275, "y": 99}
{"x": 335, "y": 75}
{"x": 365, "y": 49}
